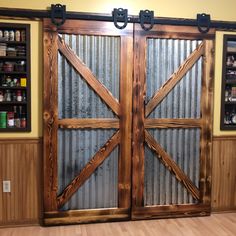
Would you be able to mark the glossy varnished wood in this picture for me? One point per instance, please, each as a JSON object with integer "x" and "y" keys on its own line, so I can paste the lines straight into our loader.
{"x": 50, "y": 116}
{"x": 21, "y": 163}
{"x": 126, "y": 79}
{"x": 85, "y": 216}
{"x": 172, "y": 123}
{"x": 121, "y": 108}
{"x": 206, "y": 130}
{"x": 88, "y": 123}
{"x": 139, "y": 89}
{"x": 214, "y": 225}
{"x": 224, "y": 174}
{"x": 88, "y": 27}
{"x": 140, "y": 121}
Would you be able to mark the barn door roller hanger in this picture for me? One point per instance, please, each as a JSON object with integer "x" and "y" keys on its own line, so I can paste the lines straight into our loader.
{"x": 121, "y": 19}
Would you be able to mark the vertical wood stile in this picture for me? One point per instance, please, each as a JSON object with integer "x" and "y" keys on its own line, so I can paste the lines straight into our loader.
{"x": 50, "y": 117}
{"x": 124, "y": 175}
{"x": 207, "y": 111}
{"x": 139, "y": 88}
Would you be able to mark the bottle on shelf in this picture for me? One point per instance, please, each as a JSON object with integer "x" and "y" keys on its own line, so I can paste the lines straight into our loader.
{"x": 233, "y": 117}
{"x": 227, "y": 93}
{"x": 227, "y": 118}
{"x": 17, "y": 117}
{"x": 10, "y": 119}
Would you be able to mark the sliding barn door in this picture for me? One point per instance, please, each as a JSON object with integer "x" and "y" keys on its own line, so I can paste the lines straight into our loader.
{"x": 173, "y": 76}
{"x": 87, "y": 122}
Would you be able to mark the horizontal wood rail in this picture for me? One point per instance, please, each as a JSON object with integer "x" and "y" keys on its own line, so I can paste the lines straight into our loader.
{"x": 88, "y": 123}
{"x": 172, "y": 123}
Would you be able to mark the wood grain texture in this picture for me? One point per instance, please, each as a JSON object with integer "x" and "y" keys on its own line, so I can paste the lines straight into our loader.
{"x": 88, "y": 27}
{"x": 168, "y": 211}
{"x": 126, "y": 78}
{"x": 207, "y": 114}
{"x": 175, "y": 32}
{"x": 21, "y": 163}
{"x": 174, "y": 79}
{"x": 88, "y": 170}
{"x": 86, "y": 216}
{"x": 172, "y": 123}
{"x": 89, "y": 77}
{"x": 170, "y": 164}
{"x": 88, "y": 123}
{"x": 139, "y": 89}
{"x": 214, "y": 225}
{"x": 50, "y": 120}
{"x": 224, "y": 174}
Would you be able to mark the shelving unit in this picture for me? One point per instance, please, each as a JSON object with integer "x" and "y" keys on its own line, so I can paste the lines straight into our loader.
{"x": 15, "y": 92}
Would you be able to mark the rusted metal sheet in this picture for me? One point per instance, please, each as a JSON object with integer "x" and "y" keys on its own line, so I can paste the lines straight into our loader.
{"x": 75, "y": 150}
{"x": 75, "y": 98}
{"x": 164, "y": 56}
{"x": 161, "y": 187}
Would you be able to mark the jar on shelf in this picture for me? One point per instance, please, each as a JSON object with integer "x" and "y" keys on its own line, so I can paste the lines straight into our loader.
{"x": 6, "y": 35}
{"x": 11, "y": 35}
{"x": 3, "y": 119}
{"x": 10, "y": 119}
{"x": 23, "y": 35}
{"x": 23, "y": 82}
{"x": 18, "y": 96}
{"x": 17, "y": 35}
{"x": 20, "y": 66}
{"x": 7, "y": 96}
{"x": 1, "y": 96}
{"x": 8, "y": 67}
{"x": 8, "y": 81}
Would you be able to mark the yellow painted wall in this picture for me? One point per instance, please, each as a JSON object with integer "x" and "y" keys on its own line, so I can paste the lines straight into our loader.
{"x": 219, "y": 10}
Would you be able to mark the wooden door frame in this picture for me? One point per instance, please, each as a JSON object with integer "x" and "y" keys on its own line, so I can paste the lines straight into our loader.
{"x": 140, "y": 136}
{"x": 122, "y": 108}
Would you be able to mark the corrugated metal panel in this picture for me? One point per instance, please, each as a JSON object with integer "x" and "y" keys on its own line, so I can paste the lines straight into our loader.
{"x": 75, "y": 98}
{"x": 161, "y": 187}
{"x": 75, "y": 149}
{"x": 164, "y": 56}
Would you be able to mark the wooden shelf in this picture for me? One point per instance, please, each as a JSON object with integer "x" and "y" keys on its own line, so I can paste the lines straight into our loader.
{"x": 230, "y": 81}
{"x": 13, "y": 129}
{"x": 229, "y": 127}
{"x": 23, "y": 107}
{"x": 13, "y": 42}
{"x": 5, "y": 58}
{"x": 13, "y": 103}
{"x": 13, "y": 88}
{"x": 230, "y": 103}
{"x": 13, "y": 73}
{"x": 231, "y": 67}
